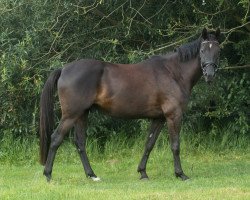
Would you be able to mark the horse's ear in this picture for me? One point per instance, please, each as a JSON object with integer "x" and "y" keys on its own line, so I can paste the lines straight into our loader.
{"x": 217, "y": 33}
{"x": 204, "y": 34}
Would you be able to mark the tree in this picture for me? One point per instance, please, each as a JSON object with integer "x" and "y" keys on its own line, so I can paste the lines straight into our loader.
{"x": 37, "y": 37}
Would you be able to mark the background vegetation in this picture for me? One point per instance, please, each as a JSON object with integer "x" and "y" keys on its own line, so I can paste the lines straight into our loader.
{"x": 39, "y": 36}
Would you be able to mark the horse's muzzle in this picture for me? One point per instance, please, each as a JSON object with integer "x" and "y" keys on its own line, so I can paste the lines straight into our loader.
{"x": 209, "y": 70}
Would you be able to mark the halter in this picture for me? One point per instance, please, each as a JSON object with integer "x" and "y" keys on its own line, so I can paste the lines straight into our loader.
{"x": 209, "y": 41}
{"x": 204, "y": 65}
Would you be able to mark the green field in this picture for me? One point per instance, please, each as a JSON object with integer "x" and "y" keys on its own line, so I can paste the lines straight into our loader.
{"x": 214, "y": 175}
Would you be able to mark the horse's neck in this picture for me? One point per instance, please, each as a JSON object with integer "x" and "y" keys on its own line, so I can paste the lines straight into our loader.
{"x": 191, "y": 73}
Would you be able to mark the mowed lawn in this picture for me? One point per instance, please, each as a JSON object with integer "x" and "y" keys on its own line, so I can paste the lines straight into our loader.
{"x": 213, "y": 176}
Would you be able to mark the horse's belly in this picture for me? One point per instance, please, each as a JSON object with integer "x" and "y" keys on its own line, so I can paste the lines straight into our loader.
{"x": 130, "y": 109}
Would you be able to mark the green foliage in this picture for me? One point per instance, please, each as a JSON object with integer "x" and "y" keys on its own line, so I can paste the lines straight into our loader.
{"x": 18, "y": 150}
{"x": 39, "y": 36}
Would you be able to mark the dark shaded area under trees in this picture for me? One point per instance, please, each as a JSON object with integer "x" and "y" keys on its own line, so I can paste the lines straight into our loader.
{"x": 39, "y": 36}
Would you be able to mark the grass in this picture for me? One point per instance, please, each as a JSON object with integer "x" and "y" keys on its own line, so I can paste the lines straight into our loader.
{"x": 221, "y": 174}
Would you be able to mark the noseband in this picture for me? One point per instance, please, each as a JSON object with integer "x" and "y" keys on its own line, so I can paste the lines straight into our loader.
{"x": 204, "y": 65}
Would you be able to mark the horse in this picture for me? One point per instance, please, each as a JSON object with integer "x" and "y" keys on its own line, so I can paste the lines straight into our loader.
{"x": 157, "y": 88}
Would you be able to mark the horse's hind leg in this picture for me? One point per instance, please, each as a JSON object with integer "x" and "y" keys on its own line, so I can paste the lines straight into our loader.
{"x": 154, "y": 131}
{"x": 56, "y": 140}
{"x": 80, "y": 142}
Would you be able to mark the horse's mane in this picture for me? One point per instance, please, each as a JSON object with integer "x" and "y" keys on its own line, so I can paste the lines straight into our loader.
{"x": 189, "y": 50}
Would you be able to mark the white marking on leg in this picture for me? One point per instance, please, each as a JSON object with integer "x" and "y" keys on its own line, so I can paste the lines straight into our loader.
{"x": 150, "y": 135}
{"x": 210, "y": 45}
{"x": 95, "y": 179}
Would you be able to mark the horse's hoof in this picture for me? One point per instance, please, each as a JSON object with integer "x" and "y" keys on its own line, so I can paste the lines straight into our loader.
{"x": 144, "y": 177}
{"x": 48, "y": 179}
{"x": 182, "y": 176}
{"x": 96, "y": 179}
{"x": 48, "y": 176}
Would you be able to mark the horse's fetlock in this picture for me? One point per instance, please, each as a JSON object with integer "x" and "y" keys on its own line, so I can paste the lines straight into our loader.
{"x": 140, "y": 169}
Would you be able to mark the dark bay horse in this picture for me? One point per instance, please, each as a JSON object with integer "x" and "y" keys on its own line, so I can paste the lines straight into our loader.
{"x": 157, "y": 88}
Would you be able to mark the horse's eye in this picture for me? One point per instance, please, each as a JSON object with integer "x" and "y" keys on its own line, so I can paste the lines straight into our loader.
{"x": 202, "y": 50}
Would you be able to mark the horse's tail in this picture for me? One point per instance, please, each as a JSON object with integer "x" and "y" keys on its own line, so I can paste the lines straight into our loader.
{"x": 47, "y": 114}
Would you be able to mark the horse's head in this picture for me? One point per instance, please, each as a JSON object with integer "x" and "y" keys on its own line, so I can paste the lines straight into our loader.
{"x": 209, "y": 54}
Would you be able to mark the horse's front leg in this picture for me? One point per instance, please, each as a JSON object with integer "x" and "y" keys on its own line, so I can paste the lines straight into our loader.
{"x": 154, "y": 131}
{"x": 174, "y": 125}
